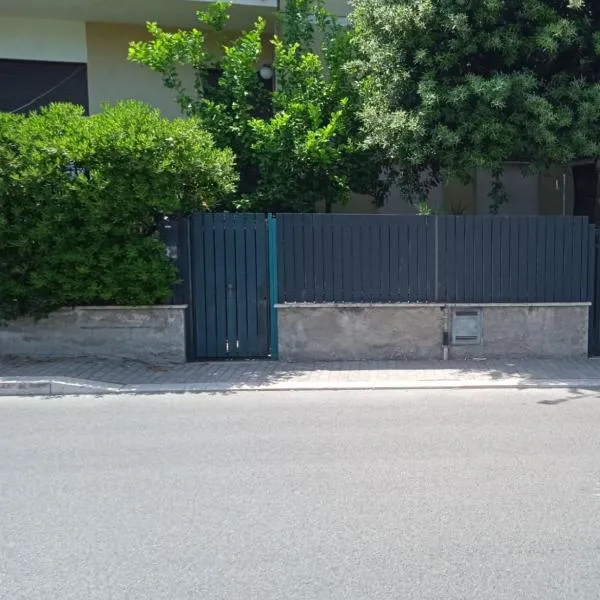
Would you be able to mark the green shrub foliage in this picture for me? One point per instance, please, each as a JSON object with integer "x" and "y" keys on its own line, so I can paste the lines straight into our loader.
{"x": 298, "y": 148}
{"x": 451, "y": 86}
{"x": 81, "y": 199}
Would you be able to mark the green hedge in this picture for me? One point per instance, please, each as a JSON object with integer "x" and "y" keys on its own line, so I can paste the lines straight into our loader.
{"x": 81, "y": 199}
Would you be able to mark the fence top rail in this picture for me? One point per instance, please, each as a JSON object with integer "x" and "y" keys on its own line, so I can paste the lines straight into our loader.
{"x": 332, "y": 217}
{"x": 383, "y": 217}
{"x": 284, "y": 305}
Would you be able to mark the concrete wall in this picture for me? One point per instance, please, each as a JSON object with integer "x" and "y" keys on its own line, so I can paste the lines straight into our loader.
{"x": 536, "y": 331}
{"x": 310, "y": 332}
{"x": 359, "y": 332}
{"x": 151, "y": 334}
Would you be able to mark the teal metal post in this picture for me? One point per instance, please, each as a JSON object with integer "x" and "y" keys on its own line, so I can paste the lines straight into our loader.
{"x": 273, "y": 285}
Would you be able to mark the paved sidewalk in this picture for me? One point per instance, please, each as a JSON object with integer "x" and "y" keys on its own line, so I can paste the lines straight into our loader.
{"x": 78, "y": 376}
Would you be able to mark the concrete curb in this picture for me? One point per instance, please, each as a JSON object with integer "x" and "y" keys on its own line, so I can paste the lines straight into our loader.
{"x": 28, "y": 386}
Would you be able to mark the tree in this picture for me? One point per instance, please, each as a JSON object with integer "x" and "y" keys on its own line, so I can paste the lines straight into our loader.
{"x": 296, "y": 146}
{"x": 81, "y": 199}
{"x": 451, "y": 85}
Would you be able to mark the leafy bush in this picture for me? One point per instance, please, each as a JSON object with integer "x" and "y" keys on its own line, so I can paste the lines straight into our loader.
{"x": 450, "y": 86}
{"x": 81, "y": 199}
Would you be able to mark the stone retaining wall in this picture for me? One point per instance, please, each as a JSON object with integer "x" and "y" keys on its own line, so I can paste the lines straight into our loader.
{"x": 416, "y": 331}
{"x": 154, "y": 334}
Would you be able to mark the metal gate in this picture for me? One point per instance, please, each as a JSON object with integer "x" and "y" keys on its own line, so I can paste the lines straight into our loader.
{"x": 594, "y": 330}
{"x": 230, "y": 285}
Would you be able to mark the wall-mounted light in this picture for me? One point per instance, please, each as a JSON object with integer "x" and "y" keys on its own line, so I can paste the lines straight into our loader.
{"x": 266, "y": 72}
{"x": 343, "y": 21}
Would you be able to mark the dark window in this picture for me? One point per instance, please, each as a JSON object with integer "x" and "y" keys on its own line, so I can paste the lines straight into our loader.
{"x": 584, "y": 177}
{"x": 213, "y": 77}
{"x": 27, "y": 85}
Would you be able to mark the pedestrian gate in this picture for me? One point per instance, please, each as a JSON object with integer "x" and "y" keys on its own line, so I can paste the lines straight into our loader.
{"x": 594, "y": 330}
{"x": 230, "y": 285}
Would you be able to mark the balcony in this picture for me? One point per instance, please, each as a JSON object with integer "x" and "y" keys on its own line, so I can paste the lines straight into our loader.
{"x": 168, "y": 13}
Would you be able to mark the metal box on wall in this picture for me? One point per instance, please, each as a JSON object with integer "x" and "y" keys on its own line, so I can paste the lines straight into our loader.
{"x": 466, "y": 327}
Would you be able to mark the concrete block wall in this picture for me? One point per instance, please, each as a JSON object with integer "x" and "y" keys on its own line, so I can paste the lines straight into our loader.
{"x": 530, "y": 331}
{"x": 154, "y": 334}
{"x": 415, "y": 331}
{"x": 359, "y": 332}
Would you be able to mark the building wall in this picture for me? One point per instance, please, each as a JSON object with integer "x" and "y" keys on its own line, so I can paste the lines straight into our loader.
{"x": 552, "y": 183}
{"x": 397, "y": 203}
{"x": 339, "y": 8}
{"x": 522, "y": 191}
{"x": 459, "y": 198}
{"x": 539, "y": 194}
{"x": 104, "y": 47}
{"x": 42, "y": 39}
{"x": 357, "y": 203}
{"x": 112, "y": 77}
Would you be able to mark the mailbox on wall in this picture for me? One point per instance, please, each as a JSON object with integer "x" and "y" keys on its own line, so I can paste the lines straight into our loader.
{"x": 466, "y": 327}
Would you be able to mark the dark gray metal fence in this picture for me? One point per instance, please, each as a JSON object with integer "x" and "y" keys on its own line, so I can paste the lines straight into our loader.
{"x": 381, "y": 258}
{"x": 594, "y": 331}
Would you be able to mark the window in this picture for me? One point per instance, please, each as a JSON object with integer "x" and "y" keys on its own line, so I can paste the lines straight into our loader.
{"x": 27, "y": 85}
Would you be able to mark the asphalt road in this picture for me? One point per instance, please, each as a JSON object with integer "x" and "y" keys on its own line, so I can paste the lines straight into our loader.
{"x": 314, "y": 496}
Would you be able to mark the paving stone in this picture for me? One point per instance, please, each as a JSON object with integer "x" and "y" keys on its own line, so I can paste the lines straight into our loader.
{"x": 269, "y": 374}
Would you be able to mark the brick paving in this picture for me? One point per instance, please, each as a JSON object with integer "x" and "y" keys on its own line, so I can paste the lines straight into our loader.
{"x": 230, "y": 375}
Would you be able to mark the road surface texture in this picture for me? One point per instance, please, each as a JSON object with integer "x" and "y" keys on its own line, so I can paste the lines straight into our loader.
{"x": 302, "y": 496}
